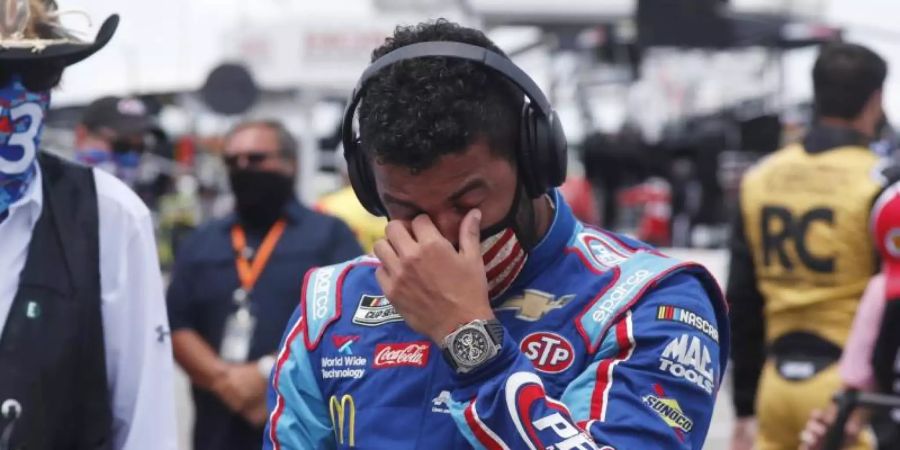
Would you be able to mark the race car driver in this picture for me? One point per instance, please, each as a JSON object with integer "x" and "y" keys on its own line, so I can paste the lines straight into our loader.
{"x": 802, "y": 253}
{"x": 489, "y": 317}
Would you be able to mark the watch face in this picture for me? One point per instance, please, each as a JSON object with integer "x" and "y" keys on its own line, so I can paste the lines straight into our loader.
{"x": 471, "y": 347}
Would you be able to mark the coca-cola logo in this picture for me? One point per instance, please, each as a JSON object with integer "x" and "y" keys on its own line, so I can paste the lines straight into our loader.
{"x": 548, "y": 352}
{"x": 410, "y": 354}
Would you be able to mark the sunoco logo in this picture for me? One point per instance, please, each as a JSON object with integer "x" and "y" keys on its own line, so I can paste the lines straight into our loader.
{"x": 620, "y": 292}
{"x": 670, "y": 412}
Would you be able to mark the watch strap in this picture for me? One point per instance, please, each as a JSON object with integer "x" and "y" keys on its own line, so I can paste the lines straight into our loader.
{"x": 445, "y": 352}
{"x": 495, "y": 329}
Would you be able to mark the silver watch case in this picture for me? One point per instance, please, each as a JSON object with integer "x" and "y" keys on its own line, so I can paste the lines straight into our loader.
{"x": 470, "y": 346}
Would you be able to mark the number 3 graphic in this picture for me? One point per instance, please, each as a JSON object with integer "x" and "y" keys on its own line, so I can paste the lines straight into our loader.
{"x": 24, "y": 139}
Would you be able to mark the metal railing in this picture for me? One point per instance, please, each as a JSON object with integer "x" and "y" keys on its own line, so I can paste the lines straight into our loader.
{"x": 847, "y": 402}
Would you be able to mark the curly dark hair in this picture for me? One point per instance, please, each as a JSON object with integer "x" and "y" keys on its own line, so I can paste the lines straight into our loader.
{"x": 415, "y": 111}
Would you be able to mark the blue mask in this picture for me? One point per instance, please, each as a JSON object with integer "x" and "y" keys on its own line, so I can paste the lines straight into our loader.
{"x": 123, "y": 165}
{"x": 21, "y": 122}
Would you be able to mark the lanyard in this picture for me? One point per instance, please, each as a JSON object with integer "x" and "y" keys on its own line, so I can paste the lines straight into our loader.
{"x": 249, "y": 272}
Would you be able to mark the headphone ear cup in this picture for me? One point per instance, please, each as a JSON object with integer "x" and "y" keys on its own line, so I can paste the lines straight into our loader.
{"x": 541, "y": 151}
{"x": 555, "y": 152}
{"x": 361, "y": 179}
{"x": 528, "y": 169}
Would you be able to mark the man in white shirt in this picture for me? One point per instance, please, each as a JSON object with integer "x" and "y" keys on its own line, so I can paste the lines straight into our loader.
{"x": 85, "y": 357}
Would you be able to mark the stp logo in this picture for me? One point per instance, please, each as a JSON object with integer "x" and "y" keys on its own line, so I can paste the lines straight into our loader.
{"x": 549, "y": 352}
{"x": 412, "y": 354}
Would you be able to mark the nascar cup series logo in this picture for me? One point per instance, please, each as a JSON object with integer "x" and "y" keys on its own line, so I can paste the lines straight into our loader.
{"x": 411, "y": 354}
{"x": 374, "y": 310}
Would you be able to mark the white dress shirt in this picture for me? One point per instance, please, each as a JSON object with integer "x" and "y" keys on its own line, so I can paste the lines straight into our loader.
{"x": 139, "y": 363}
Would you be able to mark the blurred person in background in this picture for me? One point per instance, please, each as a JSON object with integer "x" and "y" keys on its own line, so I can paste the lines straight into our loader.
{"x": 85, "y": 360}
{"x": 344, "y": 205}
{"x": 235, "y": 284}
{"x": 179, "y": 214}
{"x": 868, "y": 361}
{"x": 113, "y": 134}
{"x": 802, "y": 254}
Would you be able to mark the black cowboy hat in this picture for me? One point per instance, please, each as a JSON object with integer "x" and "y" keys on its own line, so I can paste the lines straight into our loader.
{"x": 57, "y": 46}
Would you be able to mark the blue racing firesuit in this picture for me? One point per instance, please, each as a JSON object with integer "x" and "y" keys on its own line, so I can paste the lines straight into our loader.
{"x": 608, "y": 344}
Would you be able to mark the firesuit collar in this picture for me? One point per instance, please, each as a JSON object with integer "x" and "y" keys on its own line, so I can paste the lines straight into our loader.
{"x": 822, "y": 138}
{"x": 549, "y": 248}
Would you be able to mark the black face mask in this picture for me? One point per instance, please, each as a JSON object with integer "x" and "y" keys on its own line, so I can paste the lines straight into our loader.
{"x": 260, "y": 196}
{"x": 520, "y": 219}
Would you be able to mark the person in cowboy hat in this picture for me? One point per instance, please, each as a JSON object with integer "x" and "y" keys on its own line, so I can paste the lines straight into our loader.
{"x": 85, "y": 360}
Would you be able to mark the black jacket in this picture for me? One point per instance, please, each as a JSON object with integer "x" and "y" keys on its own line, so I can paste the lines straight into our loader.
{"x": 53, "y": 386}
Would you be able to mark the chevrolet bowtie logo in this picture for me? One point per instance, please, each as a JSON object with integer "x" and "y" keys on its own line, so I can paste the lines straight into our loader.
{"x": 534, "y": 304}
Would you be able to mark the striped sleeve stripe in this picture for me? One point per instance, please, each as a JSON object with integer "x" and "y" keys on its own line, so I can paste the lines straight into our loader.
{"x": 283, "y": 356}
{"x": 606, "y": 368}
{"x": 485, "y": 436}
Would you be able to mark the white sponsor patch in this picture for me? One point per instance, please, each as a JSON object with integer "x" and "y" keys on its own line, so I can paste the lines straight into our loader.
{"x": 321, "y": 292}
{"x": 570, "y": 437}
{"x": 620, "y": 292}
{"x": 687, "y": 357}
{"x": 350, "y": 366}
{"x": 441, "y": 403}
{"x": 374, "y": 310}
{"x": 603, "y": 254}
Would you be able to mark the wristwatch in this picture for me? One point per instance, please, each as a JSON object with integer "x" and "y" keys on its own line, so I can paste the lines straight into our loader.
{"x": 473, "y": 344}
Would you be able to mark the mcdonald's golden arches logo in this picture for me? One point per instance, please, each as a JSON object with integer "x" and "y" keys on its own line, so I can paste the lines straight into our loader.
{"x": 343, "y": 412}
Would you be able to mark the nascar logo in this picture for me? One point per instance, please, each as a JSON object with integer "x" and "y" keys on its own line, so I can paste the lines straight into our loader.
{"x": 689, "y": 318}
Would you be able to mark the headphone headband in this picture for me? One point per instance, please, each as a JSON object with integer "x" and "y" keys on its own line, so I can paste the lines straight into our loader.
{"x": 449, "y": 49}
{"x": 541, "y": 151}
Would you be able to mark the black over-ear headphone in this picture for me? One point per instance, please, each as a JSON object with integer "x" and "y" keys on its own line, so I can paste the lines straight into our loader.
{"x": 541, "y": 153}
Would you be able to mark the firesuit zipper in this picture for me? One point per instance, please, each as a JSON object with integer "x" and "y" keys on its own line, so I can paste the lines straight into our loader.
{"x": 10, "y": 411}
